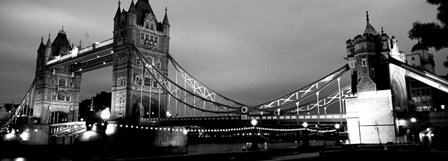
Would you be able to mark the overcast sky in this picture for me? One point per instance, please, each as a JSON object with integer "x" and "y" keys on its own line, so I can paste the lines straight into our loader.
{"x": 249, "y": 50}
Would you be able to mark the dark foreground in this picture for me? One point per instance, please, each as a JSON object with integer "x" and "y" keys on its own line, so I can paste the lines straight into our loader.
{"x": 279, "y": 151}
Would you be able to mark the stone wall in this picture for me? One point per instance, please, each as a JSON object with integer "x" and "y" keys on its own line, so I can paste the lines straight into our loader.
{"x": 370, "y": 118}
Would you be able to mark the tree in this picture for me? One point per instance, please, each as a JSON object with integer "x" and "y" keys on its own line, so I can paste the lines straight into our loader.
{"x": 434, "y": 34}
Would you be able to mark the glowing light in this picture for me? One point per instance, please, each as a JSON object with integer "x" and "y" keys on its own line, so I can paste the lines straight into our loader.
{"x": 35, "y": 130}
{"x": 25, "y": 136}
{"x": 110, "y": 129}
{"x": 168, "y": 114}
{"x": 86, "y": 136}
{"x": 401, "y": 122}
{"x": 304, "y": 124}
{"x": 337, "y": 126}
{"x": 254, "y": 122}
{"x": 10, "y": 136}
{"x": 19, "y": 159}
{"x": 413, "y": 120}
{"x": 105, "y": 114}
{"x": 185, "y": 131}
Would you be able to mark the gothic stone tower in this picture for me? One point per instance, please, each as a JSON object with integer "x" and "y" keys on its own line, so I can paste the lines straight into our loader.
{"x": 134, "y": 93}
{"x": 379, "y": 87}
{"x": 56, "y": 95}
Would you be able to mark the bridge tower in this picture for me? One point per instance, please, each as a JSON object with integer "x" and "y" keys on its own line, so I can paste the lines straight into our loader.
{"x": 57, "y": 90}
{"x": 134, "y": 93}
{"x": 379, "y": 87}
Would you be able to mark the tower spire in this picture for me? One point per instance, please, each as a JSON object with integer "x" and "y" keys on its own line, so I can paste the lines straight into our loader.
{"x": 118, "y": 13}
{"x": 369, "y": 28}
{"x": 165, "y": 18}
{"x": 49, "y": 41}
{"x": 367, "y": 16}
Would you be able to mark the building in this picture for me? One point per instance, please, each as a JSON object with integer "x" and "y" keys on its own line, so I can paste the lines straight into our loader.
{"x": 420, "y": 94}
{"x": 379, "y": 87}
{"x": 6, "y": 110}
{"x": 135, "y": 94}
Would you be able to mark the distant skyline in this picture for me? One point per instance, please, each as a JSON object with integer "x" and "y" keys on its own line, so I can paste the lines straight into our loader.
{"x": 247, "y": 50}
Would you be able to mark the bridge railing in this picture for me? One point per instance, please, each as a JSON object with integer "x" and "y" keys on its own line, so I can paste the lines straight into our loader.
{"x": 66, "y": 129}
{"x": 74, "y": 53}
{"x": 26, "y": 101}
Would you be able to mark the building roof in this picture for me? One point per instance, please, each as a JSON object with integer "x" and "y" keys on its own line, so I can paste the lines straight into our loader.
{"x": 369, "y": 28}
{"x": 59, "y": 43}
{"x": 143, "y": 7}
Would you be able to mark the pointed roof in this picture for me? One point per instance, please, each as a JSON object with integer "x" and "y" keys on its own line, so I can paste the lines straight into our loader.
{"x": 118, "y": 13}
{"x": 132, "y": 7}
{"x": 369, "y": 28}
{"x": 48, "y": 44}
{"x": 165, "y": 18}
{"x": 41, "y": 45}
{"x": 60, "y": 42}
{"x": 143, "y": 7}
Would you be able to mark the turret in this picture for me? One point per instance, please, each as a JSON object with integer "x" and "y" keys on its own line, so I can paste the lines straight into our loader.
{"x": 166, "y": 23}
{"x": 131, "y": 25}
{"x": 117, "y": 17}
{"x": 40, "y": 62}
{"x": 48, "y": 49}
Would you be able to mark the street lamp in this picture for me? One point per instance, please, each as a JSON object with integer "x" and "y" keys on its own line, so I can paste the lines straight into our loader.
{"x": 337, "y": 126}
{"x": 254, "y": 122}
{"x": 105, "y": 115}
{"x": 254, "y": 145}
{"x": 413, "y": 120}
{"x": 305, "y": 142}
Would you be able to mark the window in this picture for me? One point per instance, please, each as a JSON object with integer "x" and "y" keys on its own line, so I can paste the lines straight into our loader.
{"x": 156, "y": 40}
{"x": 151, "y": 40}
{"x": 142, "y": 37}
{"x": 138, "y": 61}
{"x": 71, "y": 83}
{"x": 67, "y": 97}
{"x": 52, "y": 81}
{"x": 53, "y": 96}
{"x": 62, "y": 96}
{"x": 61, "y": 82}
{"x": 147, "y": 82}
{"x": 147, "y": 25}
{"x": 138, "y": 80}
{"x": 364, "y": 62}
{"x": 152, "y": 27}
{"x": 372, "y": 72}
{"x": 412, "y": 58}
{"x": 159, "y": 65}
{"x": 155, "y": 85}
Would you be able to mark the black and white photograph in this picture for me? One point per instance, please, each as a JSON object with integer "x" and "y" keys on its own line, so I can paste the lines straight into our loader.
{"x": 128, "y": 80}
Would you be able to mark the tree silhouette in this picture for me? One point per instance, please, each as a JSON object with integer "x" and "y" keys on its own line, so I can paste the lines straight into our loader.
{"x": 434, "y": 34}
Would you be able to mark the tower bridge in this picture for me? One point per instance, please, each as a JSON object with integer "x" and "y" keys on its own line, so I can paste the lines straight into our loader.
{"x": 143, "y": 92}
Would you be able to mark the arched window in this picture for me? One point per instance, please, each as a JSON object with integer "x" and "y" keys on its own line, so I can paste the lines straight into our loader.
{"x": 147, "y": 25}
{"x": 152, "y": 27}
{"x": 61, "y": 82}
{"x": 138, "y": 80}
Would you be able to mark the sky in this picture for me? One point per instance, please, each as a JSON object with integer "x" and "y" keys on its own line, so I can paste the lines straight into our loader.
{"x": 248, "y": 50}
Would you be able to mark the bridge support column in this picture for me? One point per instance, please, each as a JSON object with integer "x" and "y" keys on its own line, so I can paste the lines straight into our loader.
{"x": 370, "y": 117}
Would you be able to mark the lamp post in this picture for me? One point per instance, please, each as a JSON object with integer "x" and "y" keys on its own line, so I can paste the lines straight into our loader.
{"x": 254, "y": 145}
{"x": 306, "y": 141}
{"x": 337, "y": 126}
{"x": 413, "y": 120}
{"x": 105, "y": 115}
